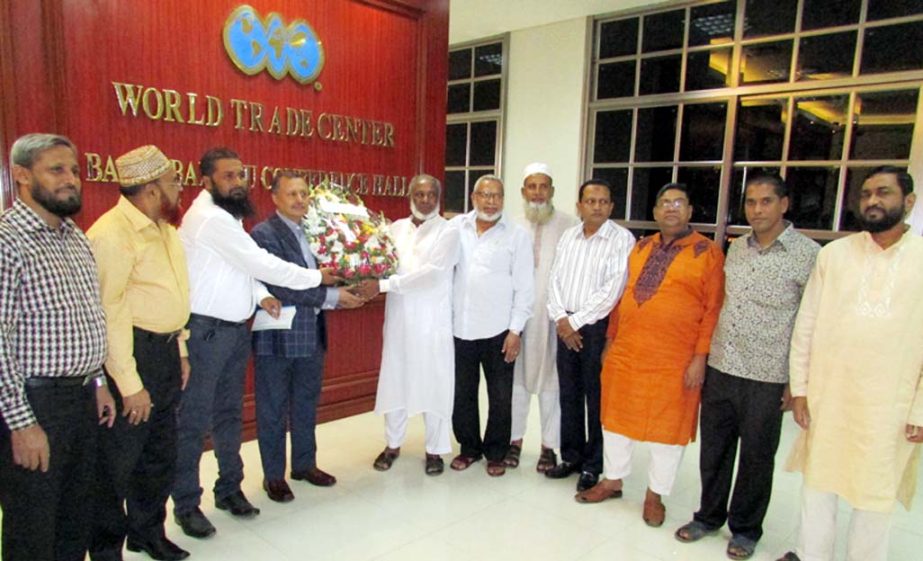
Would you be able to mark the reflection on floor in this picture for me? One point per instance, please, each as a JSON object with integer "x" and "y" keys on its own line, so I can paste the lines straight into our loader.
{"x": 405, "y": 515}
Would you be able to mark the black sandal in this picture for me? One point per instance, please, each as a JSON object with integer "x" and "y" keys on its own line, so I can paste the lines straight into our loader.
{"x": 434, "y": 464}
{"x": 511, "y": 460}
{"x": 386, "y": 458}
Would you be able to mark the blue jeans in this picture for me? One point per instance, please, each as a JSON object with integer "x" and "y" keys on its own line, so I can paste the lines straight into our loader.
{"x": 212, "y": 403}
{"x": 287, "y": 391}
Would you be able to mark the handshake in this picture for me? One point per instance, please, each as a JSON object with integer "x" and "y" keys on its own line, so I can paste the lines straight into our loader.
{"x": 349, "y": 297}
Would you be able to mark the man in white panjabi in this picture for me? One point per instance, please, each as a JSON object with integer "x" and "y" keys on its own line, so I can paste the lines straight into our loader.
{"x": 535, "y": 372}
{"x": 417, "y": 360}
{"x": 857, "y": 376}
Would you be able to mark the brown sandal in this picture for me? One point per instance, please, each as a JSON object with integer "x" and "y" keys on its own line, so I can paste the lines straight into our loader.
{"x": 546, "y": 461}
{"x": 511, "y": 460}
{"x": 654, "y": 511}
{"x": 386, "y": 458}
{"x": 462, "y": 462}
{"x": 495, "y": 469}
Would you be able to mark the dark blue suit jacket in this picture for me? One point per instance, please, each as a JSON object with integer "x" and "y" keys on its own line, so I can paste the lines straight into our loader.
{"x": 308, "y": 330}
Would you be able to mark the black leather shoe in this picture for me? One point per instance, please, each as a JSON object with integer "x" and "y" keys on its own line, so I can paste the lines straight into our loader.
{"x": 314, "y": 476}
{"x": 563, "y": 470}
{"x": 194, "y": 523}
{"x": 238, "y": 505}
{"x": 161, "y": 549}
{"x": 587, "y": 481}
{"x": 278, "y": 490}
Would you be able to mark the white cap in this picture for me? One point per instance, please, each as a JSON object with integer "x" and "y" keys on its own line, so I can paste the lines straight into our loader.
{"x": 536, "y": 167}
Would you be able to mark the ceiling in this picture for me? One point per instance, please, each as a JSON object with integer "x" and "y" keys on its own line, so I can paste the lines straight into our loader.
{"x": 474, "y": 19}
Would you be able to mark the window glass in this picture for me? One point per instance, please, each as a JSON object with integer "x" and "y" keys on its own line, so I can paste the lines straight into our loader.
{"x": 712, "y": 24}
{"x": 459, "y": 64}
{"x": 660, "y": 74}
{"x": 486, "y": 95}
{"x": 760, "y": 129}
{"x": 812, "y": 196}
{"x": 883, "y": 9}
{"x": 882, "y": 54}
{"x": 766, "y": 62}
{"x": 704, "y": 184}
{"x": 618, "y": 38}
{"x": 483, "y": 143}
{"x": 769, "y": 18}
{"x": 613, "y": 136}
{"x": 618, "y": 177}
{"x": 829, "y": 13}
{"x": 663, "y": 31}
{"x": 817, "y": 129}
{"x": 459, "y": 98}
{"x": 456, "y": 143}
{"x": 826, "y": 57}
{"x": 488, "y": 59}
{"x": 615, "y": 79}
{"x": 455, "y": 191}
{"x": 656, "y": 134}
{"x": 708, "y": 69}
{"x": 702, "y": 135}
{"x": 883, "y": 125}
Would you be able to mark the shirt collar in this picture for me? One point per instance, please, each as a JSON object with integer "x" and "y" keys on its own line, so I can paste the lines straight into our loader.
{"x": 294, "y": 227}
{"x": 30, "y": 220}
{"x": 138, "y": 219}
{"x": 605, "y": 231}
{"x": 783, "y": 240}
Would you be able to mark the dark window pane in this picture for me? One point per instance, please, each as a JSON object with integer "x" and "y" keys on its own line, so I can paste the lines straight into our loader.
{"x": 613, "y": 136}
{"x": 459, "y": 98}
{"x": 456, "y": 141}
{"x": 766, "y": 62}
{"x": 487, "y": 95}
{"x": 618, "y": 178}
{"x": 460, "y": 64}
{"x": 854, "y": 178}
{"x": 817, "y": 132}
{"x": 829, "y": 13}
{"x": 616, "y": 79}
{"x": 883, "y": 125}
{"x": 812, "y": 197}
{"x": 455, "y": 193}
{"x": 769, "y": 18}
{"x": 483, "y": 143}
{"x": 712, "y": 24}
{"x": 474, "y": 175}
{"x": 760, "y": 130}
{"x": 703, "y": 191}
{"x": 656, "y": 134}
{"x": 618, "y": 38}
{"x": 893, "y": 48}
{"x": 663, "y": 31}
{"x": 739, "y": 177}
{"x": 826, "y": 57}
{"x": 702, "y": 136}
{"x": 488, "y": 59}
{"x": 707, "y": 69}
{"x": 644, "y": 187}
{"x": 660, "y": 75}
{"x": 882, "y": 9}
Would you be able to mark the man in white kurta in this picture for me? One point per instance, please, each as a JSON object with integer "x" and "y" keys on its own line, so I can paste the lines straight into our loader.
{"x": 535, "y": 372}
{"x": 856, "y": 361}
{"x": 417, "y": 360}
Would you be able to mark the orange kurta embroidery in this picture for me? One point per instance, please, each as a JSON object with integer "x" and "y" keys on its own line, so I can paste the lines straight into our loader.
{"x": 666, "y": 315}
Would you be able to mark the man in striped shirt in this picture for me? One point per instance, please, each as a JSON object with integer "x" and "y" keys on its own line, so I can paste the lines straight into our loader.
{"x": 587, "y": 278}
{"x": 52, "y": 348}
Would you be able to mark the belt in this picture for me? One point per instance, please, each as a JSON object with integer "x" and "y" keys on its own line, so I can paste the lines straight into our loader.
{"x": 153, "y": 335}
{"x": 59, "y": 381}
{"x": 214, "y": 322}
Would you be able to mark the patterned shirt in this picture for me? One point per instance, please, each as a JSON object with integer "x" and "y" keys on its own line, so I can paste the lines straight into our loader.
{"x": 762, "y": 293}
{"x": 51, "y": 320}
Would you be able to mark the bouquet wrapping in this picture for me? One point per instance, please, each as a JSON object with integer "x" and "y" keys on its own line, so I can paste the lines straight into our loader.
{"x": 345, "y": 236}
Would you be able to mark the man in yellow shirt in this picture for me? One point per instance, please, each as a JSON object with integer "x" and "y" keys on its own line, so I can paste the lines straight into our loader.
{"x": 145, "y": 294}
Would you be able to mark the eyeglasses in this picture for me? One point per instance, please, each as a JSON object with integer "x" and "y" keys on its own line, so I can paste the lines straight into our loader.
{"x": 667, "y": 204}
{"x": 489, "y": 196}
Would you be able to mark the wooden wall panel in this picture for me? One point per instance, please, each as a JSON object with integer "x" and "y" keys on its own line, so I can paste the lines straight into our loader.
{"x": 385, "y": 61}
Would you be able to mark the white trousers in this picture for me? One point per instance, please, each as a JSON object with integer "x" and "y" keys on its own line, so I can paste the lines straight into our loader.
{"x": 549, "y": 409}
{"x": 661, "y": 473}
{"x": 437, "y": 430}
{"x": 866, "y": 539}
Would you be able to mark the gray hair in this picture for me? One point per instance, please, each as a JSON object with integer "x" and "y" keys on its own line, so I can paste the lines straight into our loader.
{"x": 28, "y": 147}
{"x": 426, "y": 178}
{"x": 484, "y": 178}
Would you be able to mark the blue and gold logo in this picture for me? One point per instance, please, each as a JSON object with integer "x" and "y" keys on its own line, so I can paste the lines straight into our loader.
{"x": 254, "y": 44}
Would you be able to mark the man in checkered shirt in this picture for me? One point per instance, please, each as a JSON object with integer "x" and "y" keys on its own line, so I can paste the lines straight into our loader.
{"x": 52, "y": 347}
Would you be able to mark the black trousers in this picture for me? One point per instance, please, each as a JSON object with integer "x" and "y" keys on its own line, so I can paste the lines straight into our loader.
{"x": 137, "y": 463}
{"x": 578, "y": 381}
{"x": 45, "y": 515}
{"x": 737, "y": 409}
{"x": 470, "y": 356}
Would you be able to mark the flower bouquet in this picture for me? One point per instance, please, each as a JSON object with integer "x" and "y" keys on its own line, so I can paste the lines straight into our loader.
{"x": 343, "y": 235}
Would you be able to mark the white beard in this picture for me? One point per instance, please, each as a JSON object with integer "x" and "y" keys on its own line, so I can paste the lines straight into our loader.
{"x": 489, "y": 217}
{"x": 539, "y": 213}
{"x": 420, "y": 216}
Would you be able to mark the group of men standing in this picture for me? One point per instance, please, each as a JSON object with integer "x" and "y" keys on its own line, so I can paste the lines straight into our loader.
{"x": 142, "y": 330}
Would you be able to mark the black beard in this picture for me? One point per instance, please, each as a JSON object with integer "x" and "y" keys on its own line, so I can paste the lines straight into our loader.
{"x": 237, "y": 207}
{"x": 891, "y": 218}
{"x": 60, "y": 208}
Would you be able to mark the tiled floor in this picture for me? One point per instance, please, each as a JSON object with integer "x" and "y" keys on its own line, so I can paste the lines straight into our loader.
{"x": 403, "y": 515}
